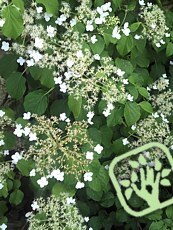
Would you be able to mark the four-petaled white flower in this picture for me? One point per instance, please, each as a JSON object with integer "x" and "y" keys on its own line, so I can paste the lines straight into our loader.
{"x": 5, "y": 46}
{"x": 94, "y": 39}
{"x": 88, "y": 176}
{"x": 3, "y": 226}
{"x": 39, "y": 43}
{"x": 62, "y": 116}
{"x": 125, "y": 141}
{"x": 57, "y": 174}
{"x": 116, "y": 33}
{"x": 32, "y": 136}
{"x": 58, "y": 80}
{"x": 42, "y": 182}
{"x": 16, "y": 157}
{"x": 18, "y": 130}
{"x": 2, "y": 142}
{"x": 79, "y": 185}
{"x": 21, "y": 61}
{"x": 126, "y": 29}
{"x": 89, "y": 155}
{"x": 89, "y": 26}
{"x": 35, "y": 205}
{"x": 70, "y": 63}
{"x": 32, "y": 172}
{"x": 98, "y": 148}
{"x": 27, "y": 116}
{"x": 86, "y": 218}
{"x": 1, "y": 186}
{"x": 96, "y": 57}
{"x": 70, "y": 200}
{"x": 6, "y": 152}
{"x": 129, "y": 97}
{"x": 2, "y": 21}
{"x": 47, "y": 16}
{"x": 120, "y": 72}
{"x": 39, "y": 9}
{"x": 90, "y": 115}
{"x": 73, "y": 22}
{"x": 51, "y": 31}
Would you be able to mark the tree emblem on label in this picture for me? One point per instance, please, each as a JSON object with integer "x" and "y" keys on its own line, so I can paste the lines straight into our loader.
{"x": 145, "y": 181}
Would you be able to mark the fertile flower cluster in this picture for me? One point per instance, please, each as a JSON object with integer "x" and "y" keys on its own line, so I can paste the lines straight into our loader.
{"x": 55, "y": 213}
{"x": 57, "y": 151}
{"x": 154, "y": 24}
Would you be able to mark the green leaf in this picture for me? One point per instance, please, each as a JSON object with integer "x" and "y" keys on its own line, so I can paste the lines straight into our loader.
{"x": 19, "y": 4}
{"x": 98, "y": 47}
{"x": 156, "y": 225}
{"x": 125, "y": 183}
{"x": 128, "y": 193}
{"x": 131, "y": 113}
{"x": 16, "y": 197}
{"x": 134, "y": 176}
{"x": 125, "y": 45}
{"x": 25, "y": 166}
{"x": 117, "y": 3}
{"x": 158, "y": 165}
{"x": 133, "y": 27}
{"x": 134, "y": 164}
{"x": 156, "y": 215}
{"x": 165, "y": 172}
{"x": 36, "y": 102}
{"x": 145, "y": 105}
{"x": 15, "y": 85}
{"x": 10, "y": 140}
{"x": 124, "y": 65}
{"x": 51, "y": 6}
{"x": 59, "y": 188}
{"x": 169, "y": 212}
{"x": 143, "y": 91}
{"x": 115, "y": 117}
{"x": 8, "y": 65}
{"x": 107, "y": 200}
{"x": 75, "y": 105}
{"x": 165, "y": 182}
{"x": 169, "y": 49}
{"x": 13, "y": 25}
{"x": 142, "y": 160}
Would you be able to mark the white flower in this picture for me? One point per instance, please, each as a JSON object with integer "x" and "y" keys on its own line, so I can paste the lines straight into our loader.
{"x": 120, "y": 72}
{"x": 58, "y": 80}
{"x": 79, "y": 54}
{"x": 164, "y": 75}
{"x": 34, "y": 205}
{"x": 167, "y": 35}
{"x": 32, "y": 172}
{"x": 18, "y": 130}
{"x": 94, "y": 39}
{"x": 57, "y": 174}
{"x": 149, "y": 4}
{"x": 73, "y": 22}
{"x": 5, "y": 46}
{"x": 116, "y": 33}
{"x": 79, "y": 185}
{"x": 137, "y": 37}
{"x": 110, "y": 106}
{"x": 98, "y": 148}
{"x": 35, "y": 55}
{"x": 155, "y": 115}
{"x": 89, "y": 155}
{"x": 47, "y": 16}
{"x": 107, "y": 167}
{"x": 146, "y": 154}
{"x": 125, "y": 81}
{"x": 70, "y": 200}
{"x": 106, "y": 112}
{"x": 90, "y": 115}
{"x": 68, "y": 75}
{"x": 27, "y": 116}
{"x": 126, "y": 30}
{"x": 129, "y": 97}
{"x": 62, "y": 116}
{"x": 164, "y": 119}
{"x": 30, "y": 62}
{"x": 26, "y": 131}
{"x": 51, "y": 31}
{"x": 99, "y": 20}
{"x": 90, "y": 228}
{"x": 2, "y": 113}
{"x": 89, "y": 26}
{"x": 6, "y": 152}
{"x": 88, "y": 176}
{"x": 141, "y": 3}
{"x": 3, "y": 226}
{"x": 16, "y": 157}
{"x": 39, "y": 43}
{"x": 171, "y": 62}
{"x": 125, "y": 141}
{"x": 32, "y": 136}
{"x": 70, "y": 63}
{"x": 63, "y": 87}
{"x": 133, "y": 127}
{"x": 2, "y": 21}
{"x": 42, "y": 182}
{"x": 1, "y": 186}
{"x": 61, "y": 19}
{"x": 171, "y": 147}
{"x": 86, "y": 218}
{"x": 96, "y": 56}
{"x": 39, "y": 9}
{"x": 21, "y": 61}
{"x": 2, "y": 142}
{"x": 158, "y": 45}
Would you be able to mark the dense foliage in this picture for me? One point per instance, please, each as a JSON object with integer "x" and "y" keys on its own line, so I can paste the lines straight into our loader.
{"x": 80, "y": 83}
